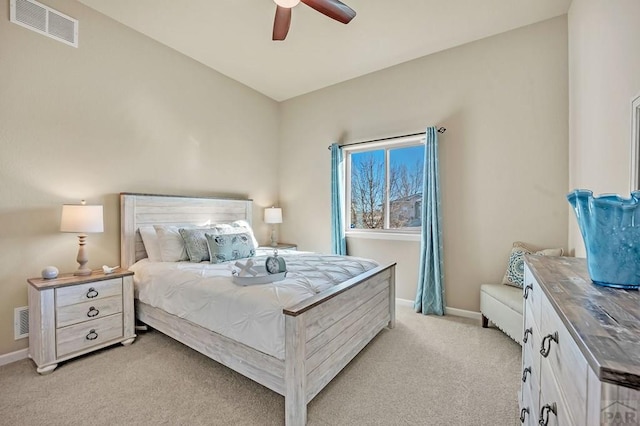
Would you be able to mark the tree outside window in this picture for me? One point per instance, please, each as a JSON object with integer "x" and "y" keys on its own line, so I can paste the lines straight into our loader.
{"x": 386, "y": 188}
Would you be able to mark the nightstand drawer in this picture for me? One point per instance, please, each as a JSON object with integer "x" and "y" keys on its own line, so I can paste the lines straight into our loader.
{"x": 87, "y": 311}
{"x": 81, "y": 336}
{"x": 90, "y": 291}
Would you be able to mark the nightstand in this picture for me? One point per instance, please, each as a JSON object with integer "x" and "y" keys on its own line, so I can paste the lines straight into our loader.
{"x": 281, "y": 246}
{"x": 73, "y": 315}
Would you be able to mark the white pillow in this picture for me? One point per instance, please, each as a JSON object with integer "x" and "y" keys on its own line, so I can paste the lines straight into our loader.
{"x": 151, "y": 243}
{"x": 171, "y": 244}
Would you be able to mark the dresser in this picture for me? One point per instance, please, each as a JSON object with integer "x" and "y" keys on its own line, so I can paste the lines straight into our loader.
{"x": 73, "y": 315}
{"x": 581, "y": 347}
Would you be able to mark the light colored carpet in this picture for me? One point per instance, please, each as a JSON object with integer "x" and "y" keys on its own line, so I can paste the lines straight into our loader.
{"x": 427, "y": 371}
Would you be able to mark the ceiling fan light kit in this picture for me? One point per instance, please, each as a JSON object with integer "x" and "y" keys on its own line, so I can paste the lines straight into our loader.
{"x": 287, "y": 3}
{"x": 334, "y": 9}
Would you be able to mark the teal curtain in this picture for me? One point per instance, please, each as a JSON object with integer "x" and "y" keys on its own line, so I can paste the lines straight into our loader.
{"x": 338, "y": 241}
{"x": 430, "y": 294}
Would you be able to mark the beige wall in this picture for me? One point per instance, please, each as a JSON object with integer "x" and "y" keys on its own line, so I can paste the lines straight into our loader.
{"x": 604, "y": 75}
{"x": 504, "y": 101}
{"x": 120, "y": 113}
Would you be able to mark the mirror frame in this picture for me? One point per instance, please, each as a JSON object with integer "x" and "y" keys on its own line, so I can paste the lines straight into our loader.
{"x": 635, "y": 144}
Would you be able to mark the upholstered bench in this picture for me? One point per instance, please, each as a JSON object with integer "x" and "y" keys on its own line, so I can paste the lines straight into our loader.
{"x": 502, "y": 305}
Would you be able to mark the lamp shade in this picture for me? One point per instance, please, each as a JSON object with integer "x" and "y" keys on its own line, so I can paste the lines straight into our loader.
{"x": 273, "y": 215}
{"x": 81, "y": 218}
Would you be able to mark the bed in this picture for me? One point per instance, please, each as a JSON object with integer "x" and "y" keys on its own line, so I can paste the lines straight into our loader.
{"x": 322, "y": 333}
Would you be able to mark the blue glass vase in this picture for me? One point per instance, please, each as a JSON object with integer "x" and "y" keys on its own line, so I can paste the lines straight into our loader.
{"x": 610, "y": 227}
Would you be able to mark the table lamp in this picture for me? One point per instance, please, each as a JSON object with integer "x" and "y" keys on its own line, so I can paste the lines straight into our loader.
{"x": 82, "y": 219}
{"x": 273, "y": 215}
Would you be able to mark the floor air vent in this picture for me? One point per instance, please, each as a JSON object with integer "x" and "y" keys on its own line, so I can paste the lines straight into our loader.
{"x": 21, "y": 322}
{"x": 44, "y": 20}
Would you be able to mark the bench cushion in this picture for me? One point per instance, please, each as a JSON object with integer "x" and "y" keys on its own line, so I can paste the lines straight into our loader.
{"x": 510, "y": 296}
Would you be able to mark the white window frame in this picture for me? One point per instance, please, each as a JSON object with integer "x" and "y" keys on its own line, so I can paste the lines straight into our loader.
{"x": 635, "y": 144}
{"x": 411, "y": 234}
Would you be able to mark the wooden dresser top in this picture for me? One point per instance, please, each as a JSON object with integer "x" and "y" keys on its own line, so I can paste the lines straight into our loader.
{"x": 64, "y": 280}
{"x": 604, "y": 321}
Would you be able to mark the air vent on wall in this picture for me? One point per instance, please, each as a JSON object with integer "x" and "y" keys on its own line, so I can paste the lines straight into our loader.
{"x": 21, "y": 322}
{"x": 44, "y": 20}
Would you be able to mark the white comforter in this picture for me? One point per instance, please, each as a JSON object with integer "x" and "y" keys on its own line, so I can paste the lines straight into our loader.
{"x": 205, "y": 294}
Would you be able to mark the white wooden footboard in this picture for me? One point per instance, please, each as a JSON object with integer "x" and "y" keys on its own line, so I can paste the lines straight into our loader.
{"x": 324, "y": 333}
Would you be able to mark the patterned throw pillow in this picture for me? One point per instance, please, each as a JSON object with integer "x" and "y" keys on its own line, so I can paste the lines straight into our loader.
{"x": 514, "y": 276}
{"x": 243, "y": 225}
{"x": 195, "y": 243}
{"x": 229, "y": 246}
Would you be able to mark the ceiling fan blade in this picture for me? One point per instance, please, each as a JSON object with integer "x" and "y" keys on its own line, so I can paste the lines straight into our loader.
{"x": 334, "y": 9}
{"x": 281, "y": 23}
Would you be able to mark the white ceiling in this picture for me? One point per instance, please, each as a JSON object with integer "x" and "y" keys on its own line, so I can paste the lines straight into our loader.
{"x": 234, "y": 36}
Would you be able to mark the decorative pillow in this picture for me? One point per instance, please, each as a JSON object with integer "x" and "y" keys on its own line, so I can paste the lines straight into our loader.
{"x": 195, "y": 243}
{"x": 229, "y": 246}
{"x": 514, "y": 276}
{"x": 171, "y": 244}
{"x": 151, "y": 243}
{"x": 245, "y": 225}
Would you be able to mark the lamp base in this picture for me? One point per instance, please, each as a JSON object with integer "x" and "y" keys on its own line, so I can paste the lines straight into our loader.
{"x": 274, "y": 241}
{"x": 82, "y": 258}
{"x": 83, "y": 272}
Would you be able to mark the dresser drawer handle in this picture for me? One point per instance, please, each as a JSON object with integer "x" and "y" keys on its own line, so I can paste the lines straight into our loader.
{"x": 92, "y": 335}
{"x": 527, "y": 332}
{"x": 544, "y": 351}
{"x": 524, "y": 374}
{"x": 528, "y": 288}
{"x": 93, "y": 312}
{"x": 544, "y": 413}
{"x": 92, "y": 293}
{"x": 523, "y": 414}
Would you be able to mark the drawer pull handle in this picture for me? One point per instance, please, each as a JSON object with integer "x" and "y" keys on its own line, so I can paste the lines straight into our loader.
{"x": 92, "y": 335}
{"x": 528, "y": 288}
{"x": 93, "y": 312}
{"x": 527, "y": 332}
{"x": 523, "y": 414}
{"x": 544, "y": 351}
{"x": 92, "y": 293}
{"x": 524, "y": 374}
{"x": 544, "y": 413}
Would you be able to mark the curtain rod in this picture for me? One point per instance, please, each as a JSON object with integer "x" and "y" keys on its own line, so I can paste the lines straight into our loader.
{"x": 440, "y": 130}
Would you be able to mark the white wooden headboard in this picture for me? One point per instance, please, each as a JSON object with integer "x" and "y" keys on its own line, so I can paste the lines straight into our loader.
{"x": 150, "y": 209}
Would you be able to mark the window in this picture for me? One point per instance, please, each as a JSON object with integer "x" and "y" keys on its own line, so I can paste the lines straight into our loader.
{"x": 384, "y": 186}
{"x": 635, "y": 145}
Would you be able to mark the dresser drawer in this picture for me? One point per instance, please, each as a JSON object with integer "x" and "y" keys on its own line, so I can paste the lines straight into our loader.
{"x": 531, "y": 347}
{"x": 532, "y": 293}
{"x": 81, "y": 336}
{"x": 550, "y": 395}
{"x": 89, "y": 291}
{"x": 528, "y": 408}
{"x": 88, "y": 311}
{"x": 565, "y": 362}
{"x": 530, "y": 377}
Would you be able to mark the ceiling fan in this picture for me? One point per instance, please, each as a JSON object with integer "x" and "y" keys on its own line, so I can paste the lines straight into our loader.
{"x": 334, "y": 9}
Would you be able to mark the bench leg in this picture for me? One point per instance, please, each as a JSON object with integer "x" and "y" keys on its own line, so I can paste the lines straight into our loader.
{"x": 485, "y": 322}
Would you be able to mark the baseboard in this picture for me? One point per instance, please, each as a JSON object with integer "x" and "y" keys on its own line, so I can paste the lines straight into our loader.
{"x": 404, "y": 302}
{"x": 448, "y": 311}
{"x": 462, "y": 313}
{"x": 14, "y": 356}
